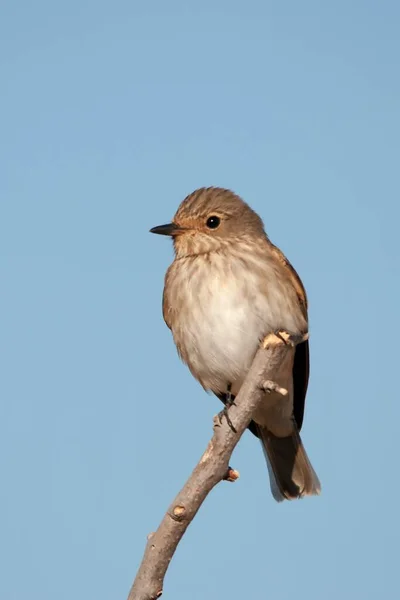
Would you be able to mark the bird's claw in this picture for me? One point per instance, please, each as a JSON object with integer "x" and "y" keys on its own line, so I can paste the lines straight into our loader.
{"x": 224, "y": 413}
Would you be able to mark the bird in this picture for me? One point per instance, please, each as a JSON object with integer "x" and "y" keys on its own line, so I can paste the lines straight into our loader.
{"x": 227, "y": 288}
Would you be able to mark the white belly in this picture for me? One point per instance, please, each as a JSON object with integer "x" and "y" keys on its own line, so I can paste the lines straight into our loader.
{"x": 221, "y": 320}
{"x": 222, "y": 340}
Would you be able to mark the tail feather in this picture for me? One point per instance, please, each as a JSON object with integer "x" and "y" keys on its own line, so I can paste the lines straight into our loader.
{"x": 291, "y": 473}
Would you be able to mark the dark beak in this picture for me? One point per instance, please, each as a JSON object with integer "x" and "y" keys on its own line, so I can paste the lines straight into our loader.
{"x": 168, "y": 229}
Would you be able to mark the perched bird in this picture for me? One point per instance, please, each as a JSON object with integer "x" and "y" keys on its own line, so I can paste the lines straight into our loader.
{"x": 227, "y": 288}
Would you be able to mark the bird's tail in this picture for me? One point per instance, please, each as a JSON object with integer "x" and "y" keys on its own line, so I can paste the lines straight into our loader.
{"x": 290, "y": 471}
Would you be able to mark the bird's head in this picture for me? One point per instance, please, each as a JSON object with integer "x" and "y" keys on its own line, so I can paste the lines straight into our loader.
{"x": 209, "y": 219}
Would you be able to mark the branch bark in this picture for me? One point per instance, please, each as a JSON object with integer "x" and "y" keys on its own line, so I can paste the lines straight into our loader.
{"x": 212, "y": 468}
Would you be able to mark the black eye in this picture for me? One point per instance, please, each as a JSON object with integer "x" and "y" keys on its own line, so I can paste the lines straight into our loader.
{"x": 213, "y": 222}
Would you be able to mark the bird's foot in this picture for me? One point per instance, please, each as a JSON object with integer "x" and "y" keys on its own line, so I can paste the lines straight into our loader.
{"x": 229, "y": 401}
{"x": 229, "y": 397}
{"x": 224, "y": 413}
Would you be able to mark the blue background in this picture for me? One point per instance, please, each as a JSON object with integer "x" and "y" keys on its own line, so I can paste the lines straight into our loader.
{"x": 111, "y": 113}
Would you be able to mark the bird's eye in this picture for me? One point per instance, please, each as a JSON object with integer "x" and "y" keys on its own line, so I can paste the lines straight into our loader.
{"x": 213, "y": 222}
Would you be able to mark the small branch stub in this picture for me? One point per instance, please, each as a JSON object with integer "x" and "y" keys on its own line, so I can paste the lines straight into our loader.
{"x": 178, "y": 513}
{"x": 271, "y": 386}
{"x": 283, "y": 337}
{"x": 232, "y": 475}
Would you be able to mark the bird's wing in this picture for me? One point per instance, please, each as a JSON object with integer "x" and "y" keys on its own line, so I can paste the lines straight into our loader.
{"x": 165, "y": 304}
{"x": 301, "y": 367}
{"x": 293, "y": 278}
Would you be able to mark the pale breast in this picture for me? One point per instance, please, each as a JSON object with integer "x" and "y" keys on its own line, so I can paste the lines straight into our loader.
{"x": 219, "y": 310}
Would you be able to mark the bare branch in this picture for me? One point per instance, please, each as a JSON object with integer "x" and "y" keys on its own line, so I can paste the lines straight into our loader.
{"x": 212, "y": 468}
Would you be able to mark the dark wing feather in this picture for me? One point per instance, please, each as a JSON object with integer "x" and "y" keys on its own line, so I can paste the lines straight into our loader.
{"x": 301, "y": 371}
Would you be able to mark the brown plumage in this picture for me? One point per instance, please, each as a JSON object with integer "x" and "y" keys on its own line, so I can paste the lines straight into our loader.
{"x": 227, "y": 288}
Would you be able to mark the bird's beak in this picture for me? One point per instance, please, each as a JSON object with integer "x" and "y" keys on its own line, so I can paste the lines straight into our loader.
{"x": 168, "y": 229}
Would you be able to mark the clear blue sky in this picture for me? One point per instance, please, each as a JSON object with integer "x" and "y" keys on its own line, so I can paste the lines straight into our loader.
{"x": 111, "y": 112}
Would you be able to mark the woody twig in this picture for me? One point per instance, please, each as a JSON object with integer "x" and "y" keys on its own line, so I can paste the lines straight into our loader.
{"x": 212, "y": 468}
